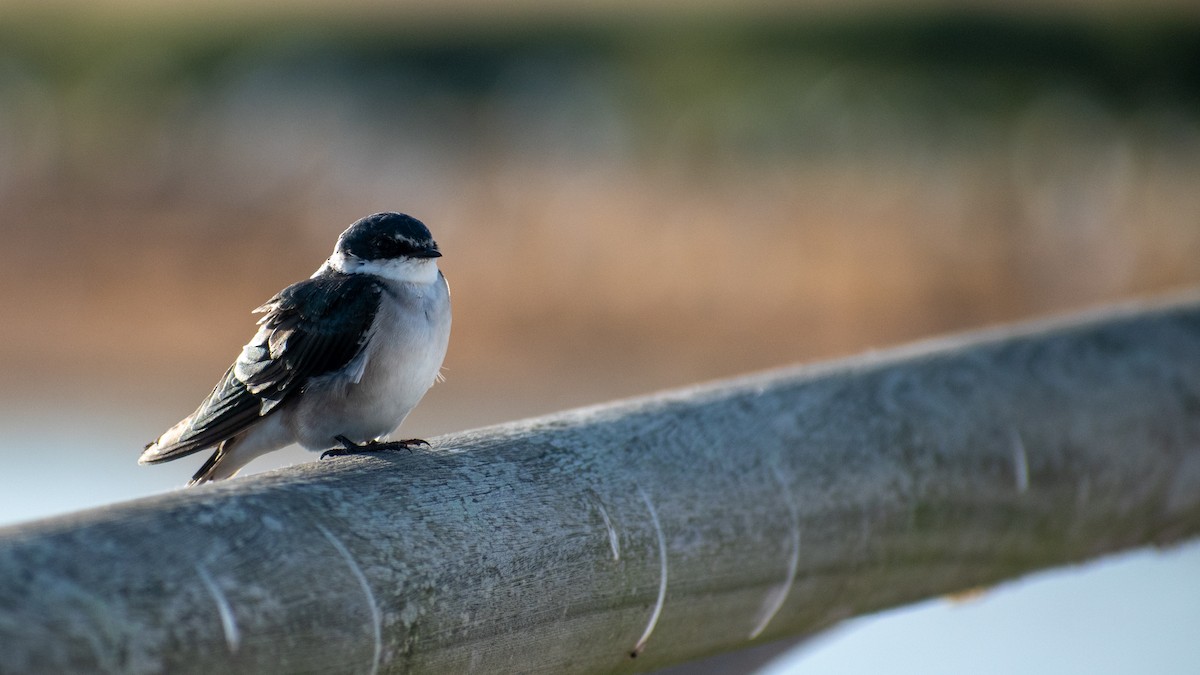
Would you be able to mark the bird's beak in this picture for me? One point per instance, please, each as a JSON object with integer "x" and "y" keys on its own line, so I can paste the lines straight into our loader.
{"x": 428, "y": 253}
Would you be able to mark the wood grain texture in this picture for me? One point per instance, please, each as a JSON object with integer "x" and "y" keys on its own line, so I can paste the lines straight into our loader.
{"x": 670, "y": 527}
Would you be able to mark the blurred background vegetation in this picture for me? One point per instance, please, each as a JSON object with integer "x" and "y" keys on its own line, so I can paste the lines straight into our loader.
{"x": 629, "y": 196}
{"x": 627, "y": 200}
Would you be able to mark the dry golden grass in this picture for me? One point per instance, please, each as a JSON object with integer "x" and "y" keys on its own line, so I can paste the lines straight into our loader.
{"x": 578, "y": 282}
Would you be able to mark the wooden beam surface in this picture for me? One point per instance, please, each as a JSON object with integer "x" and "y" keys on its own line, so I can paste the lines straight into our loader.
{"x": 646, "y": 532}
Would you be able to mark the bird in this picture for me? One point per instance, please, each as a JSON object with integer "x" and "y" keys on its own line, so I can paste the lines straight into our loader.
{"x": 339, "y": 359}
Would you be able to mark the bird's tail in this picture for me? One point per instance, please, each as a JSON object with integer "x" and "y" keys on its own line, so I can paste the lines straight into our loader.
{"x": 228, "y": 459}
{"x": 208, "y": 470}
{"x": 165, "y": 447}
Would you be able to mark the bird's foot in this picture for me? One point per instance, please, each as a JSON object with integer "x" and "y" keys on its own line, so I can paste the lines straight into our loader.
{"x": 349, "y": 447}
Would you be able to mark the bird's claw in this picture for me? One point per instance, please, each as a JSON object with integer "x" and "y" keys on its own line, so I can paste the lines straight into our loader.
{"x": 349, "y": 447}
{"x": 407, "y": 444}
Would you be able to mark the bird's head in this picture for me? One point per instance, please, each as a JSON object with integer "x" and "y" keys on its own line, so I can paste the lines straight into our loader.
{"x": 391, "y": 245}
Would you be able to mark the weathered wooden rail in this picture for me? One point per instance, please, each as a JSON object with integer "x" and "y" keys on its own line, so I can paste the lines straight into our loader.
{"x": 645, "y": 532}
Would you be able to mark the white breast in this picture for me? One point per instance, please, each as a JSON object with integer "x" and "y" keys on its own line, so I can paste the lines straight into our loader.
{"x": 370, "y": 398}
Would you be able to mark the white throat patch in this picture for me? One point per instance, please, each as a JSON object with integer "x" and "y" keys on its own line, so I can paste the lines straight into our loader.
{"x": 404, "y": 270}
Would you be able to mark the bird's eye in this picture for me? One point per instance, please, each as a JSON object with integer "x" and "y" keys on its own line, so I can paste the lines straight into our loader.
{"x": 393, "y": 248}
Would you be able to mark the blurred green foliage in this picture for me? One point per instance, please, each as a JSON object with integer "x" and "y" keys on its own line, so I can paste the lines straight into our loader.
{"x": 1123, "y": 62}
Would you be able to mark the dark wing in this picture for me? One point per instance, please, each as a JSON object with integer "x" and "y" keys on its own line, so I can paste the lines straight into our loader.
{"x": 312, "y": 328}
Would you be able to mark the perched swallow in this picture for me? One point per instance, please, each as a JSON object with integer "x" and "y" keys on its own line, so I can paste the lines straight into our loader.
{"x": 339, "y": 360}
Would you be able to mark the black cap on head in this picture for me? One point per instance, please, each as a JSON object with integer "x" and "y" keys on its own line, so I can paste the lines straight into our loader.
{"x": 386, "y": 236}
